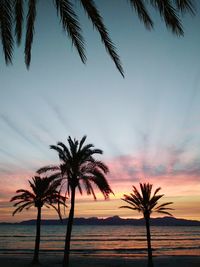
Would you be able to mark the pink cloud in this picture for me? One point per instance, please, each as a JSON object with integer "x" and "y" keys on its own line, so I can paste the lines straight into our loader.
{"x": 175, "y": 177}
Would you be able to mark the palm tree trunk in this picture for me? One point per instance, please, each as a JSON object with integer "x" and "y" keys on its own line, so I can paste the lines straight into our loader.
{"x": 150, "y": 258}
{"x": 69, "y": 230}
{"x": 37, "y": 238}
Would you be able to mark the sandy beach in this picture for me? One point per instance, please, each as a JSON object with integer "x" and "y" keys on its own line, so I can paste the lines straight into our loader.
{"x": 83, "y": 261}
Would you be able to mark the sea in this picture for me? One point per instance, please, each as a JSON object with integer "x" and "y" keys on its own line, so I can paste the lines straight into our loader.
{"x": 121, "y": 241}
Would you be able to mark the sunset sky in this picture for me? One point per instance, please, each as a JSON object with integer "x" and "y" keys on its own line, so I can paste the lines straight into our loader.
{"x": 148, "y": 124}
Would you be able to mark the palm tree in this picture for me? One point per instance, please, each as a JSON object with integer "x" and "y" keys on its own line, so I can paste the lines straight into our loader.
{"x": 12, "y": 14}
{"x": 79, "y": 169}
{"x": 44, "y": 192}
{"x": 146, "y": 203}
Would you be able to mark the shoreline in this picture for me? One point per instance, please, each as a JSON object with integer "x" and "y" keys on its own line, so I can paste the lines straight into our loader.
{"x": 99, "y": 261}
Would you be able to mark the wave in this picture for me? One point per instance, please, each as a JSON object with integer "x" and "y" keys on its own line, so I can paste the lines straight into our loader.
{"x": 119, "y": 241}
{"x": 101, "y": 251}
{"x": 110, "y": 239}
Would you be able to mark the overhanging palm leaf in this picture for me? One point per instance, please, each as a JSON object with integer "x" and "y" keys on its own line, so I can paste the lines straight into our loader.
{"x": 30, "y": 30}
{"x": 186, "y": 6}
{"x": 18, "y": 20}
{"x": 71, "y": 24}
{"x": 142, "y": 12}
{"x": 6, "y": 29}
{"x": 170, "y": 15}
{"x": 97, "y": 21}
{"x": 11, "y": 13}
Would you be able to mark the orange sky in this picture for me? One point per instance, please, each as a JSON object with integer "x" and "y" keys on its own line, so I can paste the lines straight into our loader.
{"x": 182, "y": 189}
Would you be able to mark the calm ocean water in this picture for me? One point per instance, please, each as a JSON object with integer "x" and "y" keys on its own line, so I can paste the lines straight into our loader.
{"x": 126, "y": 241}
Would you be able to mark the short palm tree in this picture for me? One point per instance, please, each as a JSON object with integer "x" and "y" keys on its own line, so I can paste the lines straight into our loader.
{"x": 146, "y": 202}
{"x": 44, "y": 192}
{"x": 12, "y": 14}
{"x": 79, "y": 169}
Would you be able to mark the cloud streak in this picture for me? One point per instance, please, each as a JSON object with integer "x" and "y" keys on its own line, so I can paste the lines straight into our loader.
{"x": 172, "y": 170}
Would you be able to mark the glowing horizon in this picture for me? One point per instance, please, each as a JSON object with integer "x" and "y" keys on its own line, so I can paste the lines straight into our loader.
{"x": 124, "y": 172}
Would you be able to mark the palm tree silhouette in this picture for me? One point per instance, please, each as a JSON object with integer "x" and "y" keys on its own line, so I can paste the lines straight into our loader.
{"x": 146, "y": 203}
{"x": 44, "y": 192}
{"x": 12, "y": 14}
{"x": 79, "y": 169}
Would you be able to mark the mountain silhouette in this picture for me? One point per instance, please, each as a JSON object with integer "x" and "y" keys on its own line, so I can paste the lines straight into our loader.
{"x": 116, "y": 220}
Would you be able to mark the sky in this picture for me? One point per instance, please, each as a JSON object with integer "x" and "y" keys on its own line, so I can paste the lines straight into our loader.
{"x": 147, "y": 123}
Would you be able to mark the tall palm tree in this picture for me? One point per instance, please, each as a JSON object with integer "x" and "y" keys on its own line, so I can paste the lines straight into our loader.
{"x": 146, "y": 202}
{"x": 79, "y": 169}
{"x": 12, "y": 14}
{"x": 44, "y": 192}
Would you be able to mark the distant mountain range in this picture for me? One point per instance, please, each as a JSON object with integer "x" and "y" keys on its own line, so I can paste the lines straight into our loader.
{"x": 116, "y": 220}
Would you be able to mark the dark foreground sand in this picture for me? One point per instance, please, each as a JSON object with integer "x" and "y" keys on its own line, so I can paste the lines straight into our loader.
{"x": 87, "y": 261}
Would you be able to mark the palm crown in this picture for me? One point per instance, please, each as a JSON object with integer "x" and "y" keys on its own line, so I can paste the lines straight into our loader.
{"x": 44, "y": 193}
{"x": 12, "y": 14}
{"x": 79, "y": 168}
{"x": 146, "y": 202}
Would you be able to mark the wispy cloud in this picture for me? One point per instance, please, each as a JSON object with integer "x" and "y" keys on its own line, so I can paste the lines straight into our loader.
{"x": 29, "y": 139}
{"x": 174, "y": 169}
{"x": 16, "y": 129}
{"x": 58, "y": 113}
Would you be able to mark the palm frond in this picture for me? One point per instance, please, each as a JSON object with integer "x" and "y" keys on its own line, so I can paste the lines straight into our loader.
{"x": 82, "y": 142}
{"x": 96, "y": 151}
{"x": 6, "y": 29}
{"x": 58, "y": 211}
{"x": 97, "y": 20}
{"x": 153, "y": 201}
{"x": 60, "y": 151}
{"x": 56, "y": 177}
{"x": 170, "y": 15}
{"x": 45, "y": 191}
{"x": 132, "y": 202}
{"x": 165, "y": 212}
{"x": 18, "y": 20}
{"x": 80, "y": 189}
{"x": 21, "y": 207}
{"x": 48, "y": 168}
{"x": 144, "y": 202}
{"x": 146, "y": 192}
{"x": 73, "y": 145}
{"x": 100, "y": 181}
{"x": 156, "y": 191}
{"x": 25, "y": 194}
{"x": 96, "y": 164}
{"x": 71, "y": 24}
{"x": 30, "y": 30}
{"x": 85, "y": 154}
{"x": 165, "y": 204}
{"x": 60, "y": 200}
{"x": 65, "y": 150}
{"x": 142, "y": 12}
{"x": 92, "y": 192}
{"x": 88, "y": 186}
{"x": 137, "y": 194}
{"x": 129, "y": 207}
{"x": 186, "y": 5}
{"x": 86, "y": 148}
